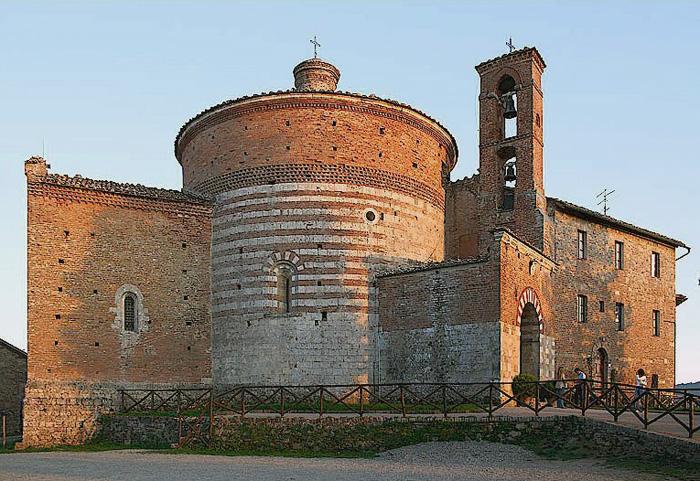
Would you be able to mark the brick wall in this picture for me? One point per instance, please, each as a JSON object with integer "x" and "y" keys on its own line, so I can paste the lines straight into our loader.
{"x": 596, "y": 277}
{"x": 333, "y": 186}
{"x": 12, "y": 382}
{"x": 86, "y": 249}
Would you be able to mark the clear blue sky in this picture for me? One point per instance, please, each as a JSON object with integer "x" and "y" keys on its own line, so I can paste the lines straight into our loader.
{"x": 108, "y": 85}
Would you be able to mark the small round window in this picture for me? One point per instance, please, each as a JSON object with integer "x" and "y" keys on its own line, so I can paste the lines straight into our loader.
{"x": 370, "y": 216}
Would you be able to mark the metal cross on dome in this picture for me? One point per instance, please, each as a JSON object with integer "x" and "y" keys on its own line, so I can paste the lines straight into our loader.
{"x": 316, "y": 45}
{"x": 510, "y": 45}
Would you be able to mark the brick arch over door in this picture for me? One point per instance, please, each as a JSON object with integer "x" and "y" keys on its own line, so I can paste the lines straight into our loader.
{"x": 529, "y": 296}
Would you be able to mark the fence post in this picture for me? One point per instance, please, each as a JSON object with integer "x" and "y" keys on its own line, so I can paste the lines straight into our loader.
{"x": 362, "y": 400}
{"x": 211, "y": 415}
{"x": 122, "y": 401}
{"x": 584, "y": 396}
{"x": 691, "y": 415}
{"x": 490, "y": 398}
{"x": 646, "y": 408}
{"x": 281, "y": 402}
{"x": 403, "y": 401}
{"x": 320, "y": 411}
{"x": 444, "y": 400}
{"x": 616, "y": 416}
{"x": 243, "y": 402}
{"x": 537, "y": 398}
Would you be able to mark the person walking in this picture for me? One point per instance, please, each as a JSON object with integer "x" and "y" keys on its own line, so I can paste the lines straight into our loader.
{"x": 580, "y": 386}
{"x": 641, "y": 387}
{"x": 559, "y": 386}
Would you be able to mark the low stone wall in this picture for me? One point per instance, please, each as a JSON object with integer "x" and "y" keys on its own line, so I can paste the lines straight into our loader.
{"x": 66, "y": 413}
{"x": 337, "y": 435}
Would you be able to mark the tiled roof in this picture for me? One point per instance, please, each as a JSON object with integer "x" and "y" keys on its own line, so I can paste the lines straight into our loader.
{"x": 136, "y": 190}
{"x": 426, "y": 266}
{"x": 12, "y": 348}
{"x": 295, "y": 91}
{"x": 523, "y": 52}
{"x": 594, "y": 216}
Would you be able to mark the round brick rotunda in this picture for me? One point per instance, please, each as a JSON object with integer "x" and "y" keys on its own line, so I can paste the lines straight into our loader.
{"x": 315, "y": 190}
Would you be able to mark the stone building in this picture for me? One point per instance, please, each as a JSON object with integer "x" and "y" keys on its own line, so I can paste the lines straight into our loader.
{"x": 318, "y": 238}
{"x": 13, "y": 362}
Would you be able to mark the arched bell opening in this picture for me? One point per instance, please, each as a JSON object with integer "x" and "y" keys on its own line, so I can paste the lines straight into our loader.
{"x": 530, "y": 341}
{"x": 508, "y": 99}
{"x": 509, "y": 176}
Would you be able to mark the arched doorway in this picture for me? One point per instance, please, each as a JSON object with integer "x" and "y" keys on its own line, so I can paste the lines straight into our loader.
{"x": 530, "y": 341}
{"x": 600, "y": 367}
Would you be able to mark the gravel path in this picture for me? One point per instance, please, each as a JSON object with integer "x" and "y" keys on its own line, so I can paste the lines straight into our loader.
{"x": 464, "y": 461}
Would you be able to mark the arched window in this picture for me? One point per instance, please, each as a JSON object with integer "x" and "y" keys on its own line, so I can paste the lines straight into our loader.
{"x": 285, "y": 274}
{"x": 130, "y": 315}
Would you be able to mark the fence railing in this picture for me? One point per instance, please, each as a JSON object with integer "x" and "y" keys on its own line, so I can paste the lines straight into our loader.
{"x": 196, "y": 408}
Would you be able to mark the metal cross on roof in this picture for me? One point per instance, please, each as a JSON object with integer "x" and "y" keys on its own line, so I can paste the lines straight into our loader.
{"x": 316, "y": 45}
{"x": 510, "y": 45}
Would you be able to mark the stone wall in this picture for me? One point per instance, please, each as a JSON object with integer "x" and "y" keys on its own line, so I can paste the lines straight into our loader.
{"x": 334, "y": 435}
{"x": 12, "y": 382}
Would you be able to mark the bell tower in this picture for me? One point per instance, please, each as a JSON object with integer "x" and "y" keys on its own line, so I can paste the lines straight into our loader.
{"x": 511, "y": 146}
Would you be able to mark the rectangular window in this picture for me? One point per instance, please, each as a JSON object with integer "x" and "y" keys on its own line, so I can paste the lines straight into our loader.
{"x": 582, "y": 244}
{"x": 582, "y": 308}
{"x": 619, "y": 316}
{"x": 655, "y": 264}
{"x": 619, "y": 255}
{"x": 601, "y": 306}
{"x": 656, "y": 322}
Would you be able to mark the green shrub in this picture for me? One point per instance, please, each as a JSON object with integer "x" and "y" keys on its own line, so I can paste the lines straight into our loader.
{"x": 524, "y": 385}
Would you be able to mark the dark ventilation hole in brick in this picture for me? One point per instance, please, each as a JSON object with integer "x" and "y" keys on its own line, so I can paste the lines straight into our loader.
{"x": 240, "y": 250}
{"x": 334, "y": 123}
{"x": 316, "y": 322}
{"x": 319, "y": 283}
{"x": 417, "y": 141}
{"x": 396, "y": 212}
{"x": 58, "y": 316}
{"x": 415, "y": 165}
{"x": 288, "y": 123}
{"x": 92, "y": 234}
{"x": 245, "y": 153}
{"x": 189, "y": 348}
{"x": 287, "y": 147}
{"x": 335, "y": 148}
{"x": 238, "y": 286}
{"x": 149, "y": 321}
{"x": 184, "y": 244}
{"x": 319, "y": 246}
{"x": 97, "y": 344}
{"x": 55, "y": 343}
{"x": 324, "y": 316}
{"x": 94, "y": 291}
{"x": 601, "y": 306}
{"x": 249, "y": 323}
{"x": 370, "y": 216}
{"x": 66, "y": 233}
{"x": 271, "y": 182}
{"x": 48, "y": 370}
{"x": 380, "y": 154}
{"x": 381, "y": 130}
{"x": 212, "y": 162}
{"x": 184, "y": 271}
{"x": 245, "y": 127}
{"x": 185, "y": 297}
{"x": 60, "y": 261}
{"x": 188, "y": 323}
{"x": 60, "y": 289}
{"x": 381, "y": 216}
{"x": 212, "y": 137}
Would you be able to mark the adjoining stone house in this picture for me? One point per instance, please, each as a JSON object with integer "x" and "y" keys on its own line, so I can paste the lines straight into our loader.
{"x": 318, "y": 239}
{"x": 13, "y": 363}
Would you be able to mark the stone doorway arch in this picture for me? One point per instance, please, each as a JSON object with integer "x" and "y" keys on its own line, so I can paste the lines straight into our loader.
{"x": 530, "y": 341}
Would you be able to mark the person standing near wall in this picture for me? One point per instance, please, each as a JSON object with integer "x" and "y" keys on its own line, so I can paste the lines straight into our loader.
{"x": 641, "y": 378}
{"x": 580, "y": 386}
{"x": 559, "y": 386}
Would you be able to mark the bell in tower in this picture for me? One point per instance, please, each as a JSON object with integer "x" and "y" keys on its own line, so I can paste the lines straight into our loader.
{"x": 509, "y": 106}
